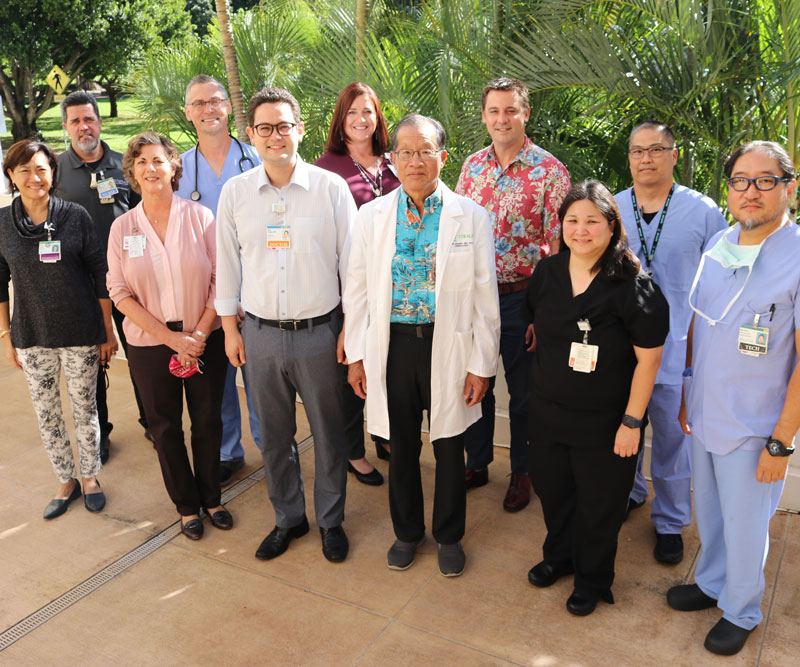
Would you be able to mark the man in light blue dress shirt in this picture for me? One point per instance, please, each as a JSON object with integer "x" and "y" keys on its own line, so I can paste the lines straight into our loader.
{"x": 668, "y": 227}
{"x": 742, "y": 390}
{"x": 216, "y": 158}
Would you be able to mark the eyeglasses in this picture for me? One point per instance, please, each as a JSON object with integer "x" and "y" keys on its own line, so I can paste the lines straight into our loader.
{"x": 763, "y": 183}
{"x": 213, "y": 103}
{"x": 652, "y": 151}
{"x": 266, "y": 129}
{"x": 426, "y": 154}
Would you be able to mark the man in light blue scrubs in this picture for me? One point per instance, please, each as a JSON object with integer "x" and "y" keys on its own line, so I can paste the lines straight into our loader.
{"x": 742, "y": 390}
{"x": 668, "y": 227}
{"x": 206, "y": 168}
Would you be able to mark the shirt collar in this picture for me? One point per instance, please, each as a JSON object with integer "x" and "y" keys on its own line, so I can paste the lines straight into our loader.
{"x": 525, "y": 155}
{"x": 300, "y": 175}
{"x": 76, "y": 162}
{"x": 431, "y": 204}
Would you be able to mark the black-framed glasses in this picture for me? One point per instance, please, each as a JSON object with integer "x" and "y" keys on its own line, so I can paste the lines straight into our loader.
{"x": 652, "y": 151}
{"x": 266, "y": 129}
{"x": 763, "y": 183}
{"x": 426, "y": 154}
{"x": 213, "y": 103}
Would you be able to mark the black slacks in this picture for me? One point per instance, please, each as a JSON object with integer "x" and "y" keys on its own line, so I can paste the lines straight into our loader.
{"x": 584, "y": 493}
{"x": 408, "y": 385}
{"x": 102, "y": 396}
{"x": 162, "y": 397}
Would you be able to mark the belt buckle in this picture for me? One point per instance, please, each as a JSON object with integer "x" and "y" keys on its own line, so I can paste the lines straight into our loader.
{"x": 292, "y": 325}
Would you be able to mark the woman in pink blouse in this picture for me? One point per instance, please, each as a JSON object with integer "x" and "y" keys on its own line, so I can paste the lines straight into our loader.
{"x": 161, "y": 258}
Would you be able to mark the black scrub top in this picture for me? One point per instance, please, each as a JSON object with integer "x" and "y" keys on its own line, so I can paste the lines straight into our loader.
{"x": 577, "y": 408}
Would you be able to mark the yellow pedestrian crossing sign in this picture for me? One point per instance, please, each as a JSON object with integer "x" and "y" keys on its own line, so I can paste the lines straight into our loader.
{"x": 57, "y": 79}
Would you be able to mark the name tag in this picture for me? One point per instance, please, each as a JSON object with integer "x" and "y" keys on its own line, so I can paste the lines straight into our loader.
{"x": 106, "y": 188}
{"x": 135, "y": 245}
{"x": 49, "y": 251}
{"x": 583, "y": 358}
{"x": 462, "y": 243}
{"x": 753, "y": 341}
{"x": 279, "y": 207}
{"x": 278, "y": 237}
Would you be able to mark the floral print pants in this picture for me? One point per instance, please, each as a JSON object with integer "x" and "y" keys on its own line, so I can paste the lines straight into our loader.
{"x": 42, "y": 368}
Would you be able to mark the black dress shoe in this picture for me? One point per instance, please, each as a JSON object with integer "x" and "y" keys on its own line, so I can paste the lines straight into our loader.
{"x": 381, "y": 452}
{"x": 193, "y": 529}
{"x": 582, "y": 603}
{"x": 227, "y": 468}
{"x": 689, "y": 597}
{"x": 668, "y": 549}
{"x": 104, "y": 445}
{"x": 57, "y": 506}
{"x": 373, "y": 478}
{"x": 278, "y": 540}
{"x": 334, "y": 544}
{"x": 726, "y": 638}
{"x": 475, "y": 478}
{"x": 546, "y": 574}
{"x": 94, "y": 502}
{"x": 221, "y": 519}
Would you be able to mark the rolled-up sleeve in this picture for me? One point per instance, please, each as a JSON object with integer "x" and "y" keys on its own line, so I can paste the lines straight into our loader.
{"x": 118, "y": 288}
{"x": 228, "y": 265}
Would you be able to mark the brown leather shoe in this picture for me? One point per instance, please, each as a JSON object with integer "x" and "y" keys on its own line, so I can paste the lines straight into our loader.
{"x": 476, "y": 478}
{"x": 519, "y": 493}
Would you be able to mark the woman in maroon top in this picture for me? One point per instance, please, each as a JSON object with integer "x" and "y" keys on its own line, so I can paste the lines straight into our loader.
{"x": 356, "y": 150}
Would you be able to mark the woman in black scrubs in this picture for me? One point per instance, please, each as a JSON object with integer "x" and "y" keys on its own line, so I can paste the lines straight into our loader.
{"x": 598, "y": 327}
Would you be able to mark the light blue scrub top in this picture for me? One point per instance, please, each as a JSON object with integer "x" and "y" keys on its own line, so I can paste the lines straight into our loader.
{"x": 208, "y": 185}
{"x": 734, "y": 400}
{"x": 692, "y": 219}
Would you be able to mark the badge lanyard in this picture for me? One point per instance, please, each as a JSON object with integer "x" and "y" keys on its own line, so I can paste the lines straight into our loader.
{"x": 648, "y": 256}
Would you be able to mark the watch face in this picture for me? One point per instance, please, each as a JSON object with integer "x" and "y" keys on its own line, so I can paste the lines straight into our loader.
{"x": 773, "y": 448}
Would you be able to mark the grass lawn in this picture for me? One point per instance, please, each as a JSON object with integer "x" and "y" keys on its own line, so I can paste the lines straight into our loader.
{"x": 116, "y": 131}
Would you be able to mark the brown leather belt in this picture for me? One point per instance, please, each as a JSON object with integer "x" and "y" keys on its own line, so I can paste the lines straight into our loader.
{"x": 292, "y": 325}
{"x": 509, "y": 288}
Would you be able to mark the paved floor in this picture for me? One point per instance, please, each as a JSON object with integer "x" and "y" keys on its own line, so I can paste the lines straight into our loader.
{"x": 124, "y": 588}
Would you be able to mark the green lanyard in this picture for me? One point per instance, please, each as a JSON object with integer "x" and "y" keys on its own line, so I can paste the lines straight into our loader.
{"x": 648, "y": 256}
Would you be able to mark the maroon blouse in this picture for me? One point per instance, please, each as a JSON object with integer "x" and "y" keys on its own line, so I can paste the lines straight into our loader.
{"x": 346, "y": 168}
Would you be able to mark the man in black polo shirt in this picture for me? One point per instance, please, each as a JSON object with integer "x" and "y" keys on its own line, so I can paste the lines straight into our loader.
{"x": 90, "y": 174}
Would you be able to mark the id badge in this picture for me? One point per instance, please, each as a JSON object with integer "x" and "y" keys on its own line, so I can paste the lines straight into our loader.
{"x": 278, "y": 237}
{"x": 49, "y": 251}
{"x": 279, "y": 207}
{"x": 135, "y": 245}
{"x": 106, "y": 188}
{"x": 753, "y": 340}
{"x": 583, "y": 358}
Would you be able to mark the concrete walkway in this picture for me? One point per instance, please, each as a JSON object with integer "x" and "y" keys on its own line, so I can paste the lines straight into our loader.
{"x": 125, "y": 588}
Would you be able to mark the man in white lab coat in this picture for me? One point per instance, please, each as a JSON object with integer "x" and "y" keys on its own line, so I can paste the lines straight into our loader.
{"x": 422, "y": 333}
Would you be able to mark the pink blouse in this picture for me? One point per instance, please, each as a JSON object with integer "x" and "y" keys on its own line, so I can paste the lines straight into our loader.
{"x": 173, "y": 281}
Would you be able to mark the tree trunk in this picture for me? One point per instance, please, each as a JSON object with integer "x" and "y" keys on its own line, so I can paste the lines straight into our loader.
{"x": 362, "y": 16}
{"x": 112, "y": 92}
{"x": 232, "y": 69}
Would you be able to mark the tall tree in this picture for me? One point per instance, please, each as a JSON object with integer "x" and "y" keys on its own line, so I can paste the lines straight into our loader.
{"x": 232, "y": 69}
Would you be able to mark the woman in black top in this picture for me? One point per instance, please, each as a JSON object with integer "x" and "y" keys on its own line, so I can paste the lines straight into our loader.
{"x": 598, "y": 328}
{"x": 62, "y": 315}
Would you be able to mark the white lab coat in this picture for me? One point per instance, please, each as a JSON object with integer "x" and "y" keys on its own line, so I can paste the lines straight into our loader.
{"x": 466, "y": 337}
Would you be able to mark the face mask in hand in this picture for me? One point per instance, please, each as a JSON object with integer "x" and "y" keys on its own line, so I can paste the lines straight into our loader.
{"x": 181, "y": 371}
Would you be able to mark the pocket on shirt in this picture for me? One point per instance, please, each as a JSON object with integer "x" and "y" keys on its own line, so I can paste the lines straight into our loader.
{"x": 307, "y": 232}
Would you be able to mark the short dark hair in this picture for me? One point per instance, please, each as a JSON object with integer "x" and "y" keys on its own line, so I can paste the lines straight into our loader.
{"x": 22, "y": 152}
{"x": 337, "y": 141}
{"x": 272, "y": 95}
{"x": 774, "y": 150}
{"x": 203, "y": 78}
{"x": 78, "y": 99}
{"x": 658, "y": 126}
{"x": 417, "y": 120}
{"x": 135, "y": 146}
{"x": 507, "y": 83}
{"x": 617, "y": 262}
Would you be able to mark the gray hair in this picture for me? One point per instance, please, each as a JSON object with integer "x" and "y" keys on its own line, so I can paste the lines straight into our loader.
{"x": 775, "y": 151}
{"x": 203, "y": 78}
{"x": 418, "y": 120}
{"x": 78, "y": 99}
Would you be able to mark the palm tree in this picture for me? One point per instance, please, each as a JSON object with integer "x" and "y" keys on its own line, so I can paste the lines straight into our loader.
{"x": 232, "y": 69}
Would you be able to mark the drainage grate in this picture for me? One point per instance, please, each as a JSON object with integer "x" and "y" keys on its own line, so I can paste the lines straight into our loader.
{"x": 52, "y": 609}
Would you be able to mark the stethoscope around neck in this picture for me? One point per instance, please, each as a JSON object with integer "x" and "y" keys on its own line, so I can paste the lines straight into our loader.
{"x": 195, "y": 195}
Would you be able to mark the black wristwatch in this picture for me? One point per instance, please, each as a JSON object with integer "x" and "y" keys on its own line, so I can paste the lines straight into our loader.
{"x": 631, "y": 422}
{"x": 777, "y": 448}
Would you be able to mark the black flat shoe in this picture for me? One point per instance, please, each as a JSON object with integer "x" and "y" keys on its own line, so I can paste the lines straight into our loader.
{"x": 373, "y": 478}
{"x": 380, "y": 451}
{"x": 582, "y": 603}
{"x": 689, "y": 597}
{"x": 546, "y": 574}
{"x": 57, "y": 506}
{"x": 278, "y": 540}
{"x": 726, "y": 638}
{"x": 94, "y": 502}
{"x": 221, "y": 519}
{"x": 193, "y": 529}
{"x": 335, "y": 544}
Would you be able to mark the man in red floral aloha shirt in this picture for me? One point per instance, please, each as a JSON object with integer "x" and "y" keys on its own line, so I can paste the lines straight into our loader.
{"x": 522, "y": 187}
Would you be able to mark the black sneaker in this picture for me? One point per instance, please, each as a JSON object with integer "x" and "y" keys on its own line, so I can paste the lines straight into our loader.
{"x": 669, "y": 548}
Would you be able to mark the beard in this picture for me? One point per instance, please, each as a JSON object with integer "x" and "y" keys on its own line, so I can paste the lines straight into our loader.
{"x": 749, "y": 224}
{"x": 87, "y": 143}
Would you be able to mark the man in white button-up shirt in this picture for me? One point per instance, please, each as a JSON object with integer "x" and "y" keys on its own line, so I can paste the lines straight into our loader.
{"x": 283, "y": 235}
